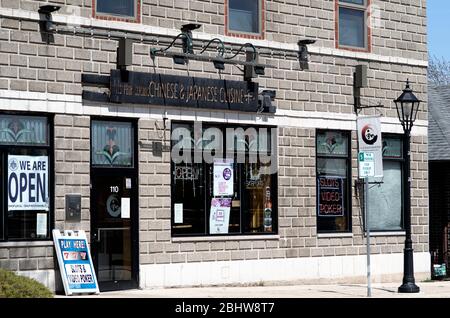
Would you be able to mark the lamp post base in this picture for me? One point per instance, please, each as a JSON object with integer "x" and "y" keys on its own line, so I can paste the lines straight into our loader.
{"x": 409, "y": 288}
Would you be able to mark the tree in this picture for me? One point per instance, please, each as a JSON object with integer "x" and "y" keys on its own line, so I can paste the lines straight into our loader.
{"x": 438, "y": 71}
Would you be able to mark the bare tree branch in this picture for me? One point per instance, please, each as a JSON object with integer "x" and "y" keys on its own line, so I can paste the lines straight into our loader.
{"x": 438, "y": 71}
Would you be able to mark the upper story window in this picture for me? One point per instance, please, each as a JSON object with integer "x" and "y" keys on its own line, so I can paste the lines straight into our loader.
{"x": 245, "y": 18}
{"x": 352, "y": 28}
{"x": 118, "y": 10}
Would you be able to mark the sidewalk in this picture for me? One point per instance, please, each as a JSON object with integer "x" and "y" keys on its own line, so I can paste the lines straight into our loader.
{"x": 435, "y": 289}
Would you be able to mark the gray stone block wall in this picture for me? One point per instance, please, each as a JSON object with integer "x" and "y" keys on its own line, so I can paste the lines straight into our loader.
{"x": 296, "y": 208}
{"x": 398, "y": 27}
{"x": 24, "y": 258}
{"x": 326, "y": 87}
{"x": 72, "y": 168}
{"x": 29, "y": 64}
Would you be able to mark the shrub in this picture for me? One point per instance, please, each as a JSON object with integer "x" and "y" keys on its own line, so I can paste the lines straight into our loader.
{"x": 15, "y": 286}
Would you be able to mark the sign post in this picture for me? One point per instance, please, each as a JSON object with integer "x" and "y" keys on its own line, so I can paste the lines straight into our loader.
{"x": 75, "y": 262}
{"x": 370, "y": 163}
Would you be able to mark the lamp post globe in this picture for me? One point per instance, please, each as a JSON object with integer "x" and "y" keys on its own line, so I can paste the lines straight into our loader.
{"x": 407, "y": 105}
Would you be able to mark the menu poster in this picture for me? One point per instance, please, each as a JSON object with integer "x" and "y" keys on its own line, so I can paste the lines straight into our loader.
{"x": 219, "y": 216}
{"x": 223, "y": 177}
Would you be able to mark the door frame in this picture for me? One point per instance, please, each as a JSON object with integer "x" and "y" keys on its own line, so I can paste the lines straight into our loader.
{"x": 132, "y": 172}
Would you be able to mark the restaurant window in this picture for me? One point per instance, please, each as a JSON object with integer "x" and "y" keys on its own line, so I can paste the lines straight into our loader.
{"x": 112, "y": 144}
{"x": 353, "y": 30}
{"x": 245, "y": 17}
{"x": 385, "y": 197}
{"x": 127, "y": 10}
{"x": 25, "y": 174}
{"x": 223, "y": 180}
{"x": 333, "y": 182}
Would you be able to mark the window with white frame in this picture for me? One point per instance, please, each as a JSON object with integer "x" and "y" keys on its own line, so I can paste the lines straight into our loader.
{"x": 352, "y": 23}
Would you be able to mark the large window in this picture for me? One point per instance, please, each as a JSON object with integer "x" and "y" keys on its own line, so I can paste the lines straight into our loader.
{"x": 385, "y": 198}
{"x": 333, "y": 182}
{"x": 353, "y": 31}
{"x": 245, "y": 17}
{"x": 126, "y": 10}
{"x": 26, "y": 168}
{"x": 224, "y": 180}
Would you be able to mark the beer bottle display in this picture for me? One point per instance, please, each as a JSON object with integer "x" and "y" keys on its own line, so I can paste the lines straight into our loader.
{"x": 268, "y": 212}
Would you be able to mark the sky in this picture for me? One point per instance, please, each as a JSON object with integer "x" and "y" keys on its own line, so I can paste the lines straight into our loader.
{"x": 439, "y": 28}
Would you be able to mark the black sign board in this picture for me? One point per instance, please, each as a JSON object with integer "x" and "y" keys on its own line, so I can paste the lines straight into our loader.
{"x": 330, "y": 196}
{"x": 171, "y": 90}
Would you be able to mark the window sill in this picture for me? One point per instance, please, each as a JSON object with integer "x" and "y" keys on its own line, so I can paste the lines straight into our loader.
{"x": 26, "y": 244}
{"x": 334, "y": 235}
{"x": 396, "y": 233}
{"x": 225, "y": 238}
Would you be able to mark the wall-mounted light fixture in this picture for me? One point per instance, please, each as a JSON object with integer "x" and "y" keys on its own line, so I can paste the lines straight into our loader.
{"x": 46, "y": 21}
{"x": 303, "y": 53}
{"x": 252, "y": 67}
{"x": 186, "y": 29}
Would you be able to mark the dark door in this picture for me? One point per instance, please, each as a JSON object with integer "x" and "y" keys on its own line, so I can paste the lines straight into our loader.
{"x": 114, "y": 229}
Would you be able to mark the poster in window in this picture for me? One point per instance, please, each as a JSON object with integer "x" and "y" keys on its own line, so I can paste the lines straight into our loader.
{"x": 223, "y": 177}
{"x": 330, "y": 196}
{"x": 41, "y": 224}
{"x": 220, "y": 216}
{"x": 178, "y": 213}
{"x": 28, "y": 183}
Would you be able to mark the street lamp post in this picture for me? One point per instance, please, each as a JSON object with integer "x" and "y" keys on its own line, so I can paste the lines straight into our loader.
{"x": 407, "y": 106}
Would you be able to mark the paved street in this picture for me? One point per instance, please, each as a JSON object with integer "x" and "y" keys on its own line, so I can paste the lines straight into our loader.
{"x": 436, "y": 289}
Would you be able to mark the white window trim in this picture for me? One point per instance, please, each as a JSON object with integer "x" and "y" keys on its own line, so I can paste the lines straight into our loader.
{"x": 225, "y": 238}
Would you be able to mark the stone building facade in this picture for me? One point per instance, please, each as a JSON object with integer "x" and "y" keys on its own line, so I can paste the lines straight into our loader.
{"x": 41, "y": 75}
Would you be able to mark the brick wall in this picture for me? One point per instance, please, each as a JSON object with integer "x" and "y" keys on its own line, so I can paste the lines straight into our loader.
{"x": 31, "y": 65}
{"x": 72, "y": 168}
{"x": 34, "y": 66}
{"x": 398, "y": 28}
{"x": 296, "y": 208}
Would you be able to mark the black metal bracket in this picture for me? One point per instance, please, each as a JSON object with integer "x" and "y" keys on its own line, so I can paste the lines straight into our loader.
{"x": 357, "y": 107}
{"x": 359, "y": 183}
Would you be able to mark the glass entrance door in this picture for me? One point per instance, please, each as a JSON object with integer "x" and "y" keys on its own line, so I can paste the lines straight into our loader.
{"x": 114, "y": 241}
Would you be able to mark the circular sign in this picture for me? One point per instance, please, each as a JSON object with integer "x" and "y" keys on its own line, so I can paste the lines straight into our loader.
{"x": 227, "y": 173}
{"x": 113, "y": 205}
{"x": 369, "y": 135}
